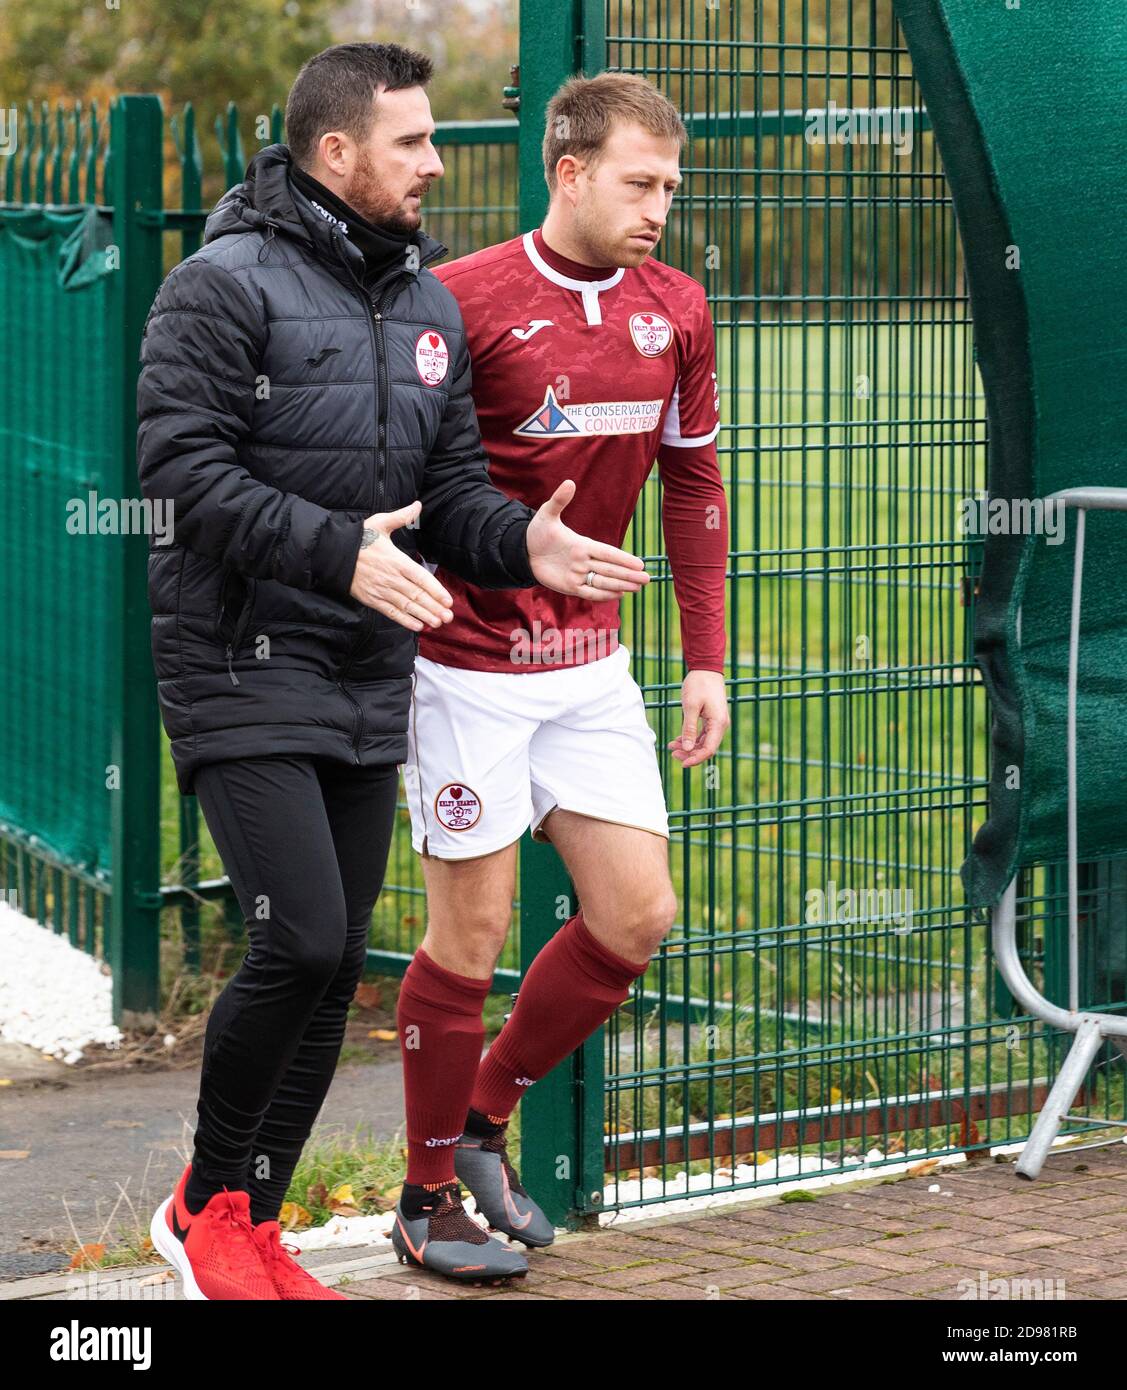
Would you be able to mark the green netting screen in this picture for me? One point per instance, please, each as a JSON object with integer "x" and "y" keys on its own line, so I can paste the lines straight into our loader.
{"x": 57, "y": 434}
{"x": 1042, "y": 206}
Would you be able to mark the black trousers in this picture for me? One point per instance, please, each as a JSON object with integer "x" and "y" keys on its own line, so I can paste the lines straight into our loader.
{"x": 305, "y": 842}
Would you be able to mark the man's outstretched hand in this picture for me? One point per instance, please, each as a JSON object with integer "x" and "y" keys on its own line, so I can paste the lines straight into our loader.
{"x": 562, "y": 559}
{"x": 391, "y": 582}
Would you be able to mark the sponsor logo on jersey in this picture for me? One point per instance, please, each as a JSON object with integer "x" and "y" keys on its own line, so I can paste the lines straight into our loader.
{"x": 534, "y": 327}
{"x": 595, "y": 417}
{"x": 651, "y": 333}
{"x": 432, "y": 358}
{"x": 456, "y": 807}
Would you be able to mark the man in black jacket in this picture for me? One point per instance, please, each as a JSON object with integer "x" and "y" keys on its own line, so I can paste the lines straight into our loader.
{"x": 304, "y": 403}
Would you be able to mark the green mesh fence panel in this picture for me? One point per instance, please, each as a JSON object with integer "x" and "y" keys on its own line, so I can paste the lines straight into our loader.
{"x": 56, "y": 433}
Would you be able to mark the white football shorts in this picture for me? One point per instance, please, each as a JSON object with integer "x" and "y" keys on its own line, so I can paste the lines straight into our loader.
{"x": 490, "y": 753}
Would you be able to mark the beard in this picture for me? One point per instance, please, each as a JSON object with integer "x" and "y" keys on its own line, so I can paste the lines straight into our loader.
{"x": 605, "y": 245}
{"x": 373, "y": 202}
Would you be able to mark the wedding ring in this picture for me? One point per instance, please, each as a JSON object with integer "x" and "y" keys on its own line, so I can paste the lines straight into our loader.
{"x": 590, "y": 579}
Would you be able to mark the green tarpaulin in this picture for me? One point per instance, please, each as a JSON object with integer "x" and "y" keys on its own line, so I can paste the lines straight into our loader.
{"x": 1027, "y": 103}
{"x": 56, "y": 448}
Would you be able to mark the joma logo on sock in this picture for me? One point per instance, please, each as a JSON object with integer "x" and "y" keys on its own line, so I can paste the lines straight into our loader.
{"x": 439, "y": 1143}
{"x": 523, "y": 1081}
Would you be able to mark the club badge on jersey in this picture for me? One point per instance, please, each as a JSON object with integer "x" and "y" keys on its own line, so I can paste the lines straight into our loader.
{"x": 651, "y": 333}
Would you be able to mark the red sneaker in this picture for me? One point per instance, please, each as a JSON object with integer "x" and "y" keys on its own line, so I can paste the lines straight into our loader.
{"x": 290, "y": 1280}
{"x": 214, "y": 1252}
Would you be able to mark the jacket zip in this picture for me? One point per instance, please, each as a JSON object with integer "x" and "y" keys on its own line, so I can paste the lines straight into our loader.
{"x": 357, "y": 720}
{"x": 373, "y": 316}
{"x": 237, "y": 635}
{"x": 373, "y": 311}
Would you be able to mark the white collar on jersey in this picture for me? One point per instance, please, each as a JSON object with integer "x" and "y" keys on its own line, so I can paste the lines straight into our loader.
{"x": 589, "y": 289}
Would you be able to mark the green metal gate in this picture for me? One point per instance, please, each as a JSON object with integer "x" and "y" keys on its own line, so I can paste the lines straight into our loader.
{"x": 795, "y": 1022}
{"x": 779, "y": 1026}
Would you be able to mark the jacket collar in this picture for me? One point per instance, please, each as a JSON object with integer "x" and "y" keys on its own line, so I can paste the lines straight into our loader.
{"x": 268, "y": 201}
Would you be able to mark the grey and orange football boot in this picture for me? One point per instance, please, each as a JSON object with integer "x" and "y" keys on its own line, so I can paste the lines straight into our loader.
{"x": 483, "y": 1164}
{"x": 444, "y": 1238}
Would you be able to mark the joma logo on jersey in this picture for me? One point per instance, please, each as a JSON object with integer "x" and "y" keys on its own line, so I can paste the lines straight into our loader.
{"x": 596, "y": 417}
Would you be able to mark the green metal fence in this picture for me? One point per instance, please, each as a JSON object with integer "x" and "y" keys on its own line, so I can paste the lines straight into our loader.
{"x": 788, "y": 1028}
{"x": 769, "y": 1028}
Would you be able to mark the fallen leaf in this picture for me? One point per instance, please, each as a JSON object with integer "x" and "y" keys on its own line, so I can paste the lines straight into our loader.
{"x": 293, "y": 1216}
{"x": 920, "y": 1170}
{"x": 384, "y": 1034}
{"x": 15, "y": 1153}
{"x": 968, "y": 1132}
{"x": 87, "y": 1254}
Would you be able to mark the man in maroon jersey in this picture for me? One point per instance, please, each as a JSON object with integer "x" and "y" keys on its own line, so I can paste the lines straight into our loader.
{"x": 590, "y": 359}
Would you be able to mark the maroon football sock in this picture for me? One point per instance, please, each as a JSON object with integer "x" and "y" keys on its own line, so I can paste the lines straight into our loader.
{"x": 440, "y": 1038}
{"x": 572, "y": 986}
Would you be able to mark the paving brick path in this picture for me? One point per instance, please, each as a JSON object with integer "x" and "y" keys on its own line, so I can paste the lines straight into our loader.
{"x": 873, "y": 1240}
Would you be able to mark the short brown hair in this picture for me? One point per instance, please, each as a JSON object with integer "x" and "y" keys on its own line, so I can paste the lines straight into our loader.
{"x": 582, "y": 114}
{"x": 334, "y": 91}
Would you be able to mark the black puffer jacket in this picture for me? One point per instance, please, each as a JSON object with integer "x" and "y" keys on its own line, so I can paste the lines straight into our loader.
{"x": 280, "y": 404}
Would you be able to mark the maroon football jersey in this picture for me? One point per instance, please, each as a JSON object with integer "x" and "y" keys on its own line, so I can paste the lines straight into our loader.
{"x": 575, "y": 378}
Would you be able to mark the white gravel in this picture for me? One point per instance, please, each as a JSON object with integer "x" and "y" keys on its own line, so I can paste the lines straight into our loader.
{"x": 52, "y": 996}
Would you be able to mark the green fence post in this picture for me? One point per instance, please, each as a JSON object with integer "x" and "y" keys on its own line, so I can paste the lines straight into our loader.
{"x": 562, "y": 1116}
{"x": 133, "y": 944}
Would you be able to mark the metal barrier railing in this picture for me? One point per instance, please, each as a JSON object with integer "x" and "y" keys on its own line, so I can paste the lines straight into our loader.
{"x": 1091, "y": 1028}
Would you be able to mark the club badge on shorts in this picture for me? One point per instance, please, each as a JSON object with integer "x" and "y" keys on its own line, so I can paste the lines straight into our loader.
{"x": 651, "y": 333}
{"x": 456, "y": 807}
{"x": 432, "y": 358}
